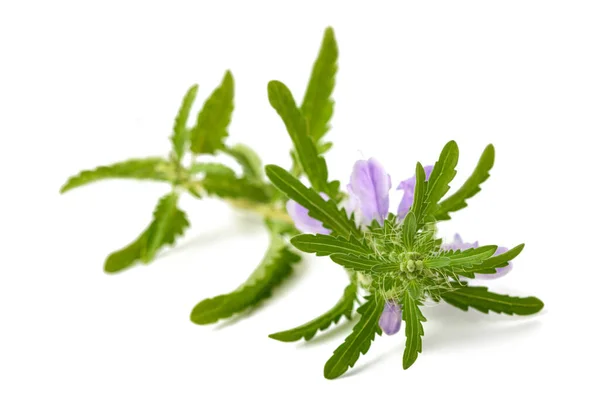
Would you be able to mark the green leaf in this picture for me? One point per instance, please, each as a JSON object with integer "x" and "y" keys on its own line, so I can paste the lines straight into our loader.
{"x": 442, "y": 174}
{"x": 211, "y": 126}
{"x": 480, "y": 299}
{"x": 169, "y": 222}
{"x": 155, "y": 169}
{"x": 313, "y": 165}
{"x": 318, "y": 208}
{"x": 181, "y": 133}
{"x": 363, "y": 264}
{"x": 359, "y": 341}
{"x": 409, "y": 230}
{"x": 490, "y": 265}
{"x": 307, "y": 331}
{"x": 248, "y": 160}
{"x": 326, "y": 245}
{"x": 419, "y": 195}
{"x": 317, "y": 106}
{"x": 461, "y": 258}
{"x": 470, "y": 188}
{"x": 275, "y": 266}
{"x": 232, "y": 187}
{"x": 412, "y": 316}
{"x": 211, "y": 168}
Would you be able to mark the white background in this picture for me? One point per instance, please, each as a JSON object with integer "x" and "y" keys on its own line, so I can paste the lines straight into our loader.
{"x": 90, "y": 83}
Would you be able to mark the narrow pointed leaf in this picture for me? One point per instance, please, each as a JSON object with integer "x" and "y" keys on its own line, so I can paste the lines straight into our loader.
{"x": 181, "y": 132}
{"x": 442, "y": 174}
{"x": 318, "y": 208}
{"x": 275, "y": 266}
{"x": 490, "y": 265}
{"x": 312, "y": 164}
{"x": 359, "y": 341}
{"x": 479, "y": 298}
{"x": 470, "y": 188}
{"x": 154, "y": 168}
{"x": 418, "y": 204}
{"x": 317, "y": 106}
{"x": 307, "y": 331}
{"x": 169, "y": 223}
{"x": 412, "y": 316}
{"x": 213, "y": 120}
{"x": 409, "y": 230}
{"x": 462, "y": 258}
{"x": 326, "y": 245}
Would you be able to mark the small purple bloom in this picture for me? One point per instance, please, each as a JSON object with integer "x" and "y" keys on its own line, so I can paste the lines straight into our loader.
{"x": 408, "y": 186}
{"x": 391, "y": 318}
{"x": 304, "y": 222}
{"x": 369, "y": 190}
{"x": 458, "y": 244}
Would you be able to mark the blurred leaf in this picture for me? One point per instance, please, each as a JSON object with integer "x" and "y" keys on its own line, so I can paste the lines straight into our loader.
{"x": 181, "y": 133}
{"x": 211, "y": 127}
{"x": 169, "y": 222}
{"x": 155, "y": 168}
{"x": 307, "y": 331}
{"x": 275, "y": 266}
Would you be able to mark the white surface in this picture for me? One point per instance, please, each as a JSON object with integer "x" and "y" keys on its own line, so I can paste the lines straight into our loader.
{"x": 83, "y": 85}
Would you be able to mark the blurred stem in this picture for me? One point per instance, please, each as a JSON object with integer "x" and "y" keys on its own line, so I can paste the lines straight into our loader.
{"x": 265, "y": 210}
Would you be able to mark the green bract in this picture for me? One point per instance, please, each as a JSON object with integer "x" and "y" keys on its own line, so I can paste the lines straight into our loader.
{"x": 400, "y": 260}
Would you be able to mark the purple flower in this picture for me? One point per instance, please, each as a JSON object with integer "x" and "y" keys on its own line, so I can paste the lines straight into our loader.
{"x": 369, "y": 197}
{"x": 408, "y": 186}
{"x": 391, "y": 318}
{"x": 458, "y": 244}
{"x": 369, "y": 191}
{"x": 304, "y": 222}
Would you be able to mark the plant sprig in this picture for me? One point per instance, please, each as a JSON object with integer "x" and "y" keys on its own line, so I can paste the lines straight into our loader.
{"x": 394, "y": 262}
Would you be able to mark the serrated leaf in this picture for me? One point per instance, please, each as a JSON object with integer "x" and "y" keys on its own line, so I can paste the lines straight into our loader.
{"x": 317, "y": 106}
{"x": 232, "y": 187}
{"x": 312, "y": 164}
{"x": 154, "y": 168}
{"x": 168, "y": 223}
{"x": 210, "y": 131}
{"x": 461, "y": 258}
{"x": 413, "y": 318}
{"x": 479, "y": 298}
{"x": 409, "y": 230}
{"x": 181, "y": 133}
{"x": 318, "y": 208}
{"x": 362, "y": 264}
{"x": 470, "y": 188}
{"x": 326, "y": 245}
{"x": 490, "y": 265}
{"x": 359, "y": 341}
{"x": 248, "y": 160}
{"x": 442, "y": 174}
{"x": 275, "y": 266}
{"x": 307, "y": 331}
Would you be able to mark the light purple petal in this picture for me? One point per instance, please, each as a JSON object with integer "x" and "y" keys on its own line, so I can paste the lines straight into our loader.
{"x": 304, "y": 222}
{"x": 391, "y": 318}
{"x": 408, "y": 186}
{"x": 370, "y": 186}
{"x": 500, "y": 272}
{"x": 458, "y": 244}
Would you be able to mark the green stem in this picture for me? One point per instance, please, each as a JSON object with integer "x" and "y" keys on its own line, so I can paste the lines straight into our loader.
{"x": 265, "y": 210}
